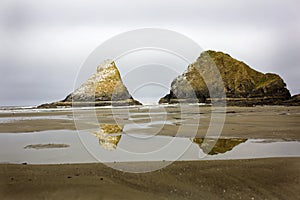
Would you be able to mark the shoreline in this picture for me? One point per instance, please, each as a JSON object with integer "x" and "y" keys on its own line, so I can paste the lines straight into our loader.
{"x": 258, "y": 178}
{"x": 265, "y": 122}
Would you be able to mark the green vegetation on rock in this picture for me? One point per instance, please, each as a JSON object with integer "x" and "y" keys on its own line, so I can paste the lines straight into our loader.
{"x": 240, "y": 81}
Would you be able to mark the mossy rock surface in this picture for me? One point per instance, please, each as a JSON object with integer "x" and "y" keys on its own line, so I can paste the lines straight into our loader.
{"x": 239, "y": 80}
{"x": 105, "y": 85}
{"x": 103, "y": 88}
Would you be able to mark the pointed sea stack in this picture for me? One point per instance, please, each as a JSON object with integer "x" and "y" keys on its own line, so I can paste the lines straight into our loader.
{"x": 243, "y": 85}
{"x": 103, "y": 88}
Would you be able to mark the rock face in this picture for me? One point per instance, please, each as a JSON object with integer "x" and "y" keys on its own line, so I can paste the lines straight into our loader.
{"x": 294, "y": 101}
{"x": 242, "y": 84}
{"x": 296, "y": 98}
{"x": 105, "y": 87}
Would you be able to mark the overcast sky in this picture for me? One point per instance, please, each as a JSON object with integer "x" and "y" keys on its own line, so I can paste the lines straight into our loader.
{"x": 44, "y": 43}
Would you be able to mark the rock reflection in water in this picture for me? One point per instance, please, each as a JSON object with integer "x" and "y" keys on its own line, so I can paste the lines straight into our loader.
{"x": 220, "y": 145}
{"x": 109, "y": 135}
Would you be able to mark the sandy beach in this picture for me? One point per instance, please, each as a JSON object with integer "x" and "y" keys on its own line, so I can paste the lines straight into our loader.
{"x": 242, "y": 122}
{"x": 263, "y": 178}
{"x": 154, "y": 100}
{"x": 276, "y": 178}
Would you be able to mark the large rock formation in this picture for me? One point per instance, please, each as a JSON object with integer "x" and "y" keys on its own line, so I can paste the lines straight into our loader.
{"x": 294, "y": 101}
{"x": 105, "y": 87}
{"x": 242, "y": 84}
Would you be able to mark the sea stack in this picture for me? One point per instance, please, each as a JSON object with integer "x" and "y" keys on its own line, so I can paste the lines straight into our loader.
{"x": 243, "y": 85}
{"x": 105, "y": 87}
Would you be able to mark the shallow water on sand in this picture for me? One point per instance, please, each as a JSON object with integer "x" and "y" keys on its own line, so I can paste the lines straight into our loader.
{"x": 133, "y": 147}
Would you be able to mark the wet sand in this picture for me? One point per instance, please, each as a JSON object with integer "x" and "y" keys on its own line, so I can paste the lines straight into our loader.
{"x": 276, "y": 178}
{"x": 46, "y": 146}
{"x": 267, "y": 178}
{"x": 261, "y": 122}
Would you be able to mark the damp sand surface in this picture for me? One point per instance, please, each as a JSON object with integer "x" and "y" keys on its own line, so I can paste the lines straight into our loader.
{"x": 231, "y": 170}
{"x": 46, "y": 146}
{"x": 259, "y": 122}
{"x": 275, "y": 178}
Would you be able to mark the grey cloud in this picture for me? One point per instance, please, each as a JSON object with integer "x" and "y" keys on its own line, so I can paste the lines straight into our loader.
{"x": 43, "y": 43}
{"x": 224, "y": 13}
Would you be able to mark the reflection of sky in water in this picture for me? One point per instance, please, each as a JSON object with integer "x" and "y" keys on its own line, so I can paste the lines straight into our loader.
{"x": 132, "y": 126}
{"x": 19, "y": 118}
{"x": 130, "y": 148}
{"x": 12, "y": 148}
{"x": 253, "y": 149}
